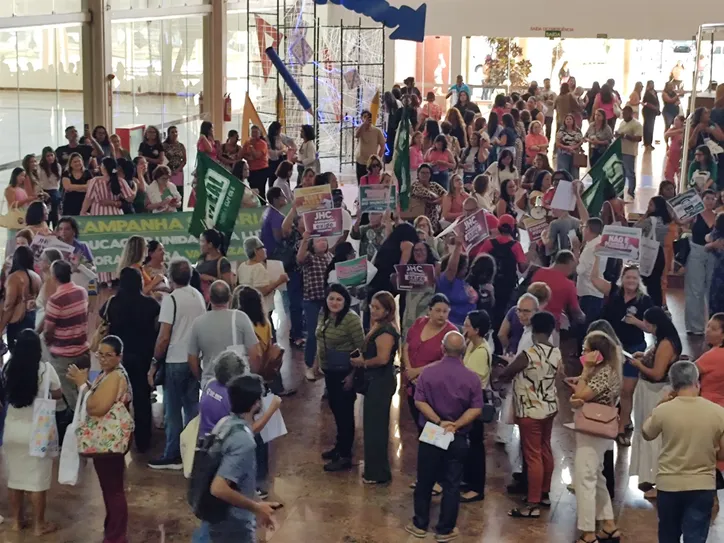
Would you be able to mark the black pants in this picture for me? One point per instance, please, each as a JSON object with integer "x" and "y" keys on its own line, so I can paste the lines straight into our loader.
{"x": 341, "y": 402}
{"x": 376, "y": 420}
{"x": 54, "y": 203}
{"x": 257, "y": 180}
{"x": 612, "y": 123}
{"x": 272, "y": 171}
{"x": 361, "y": 170}
{"x": 649, "y": 122}
{"x": 549, "y": 126}
{"x": 596, "y": 153}
{"x": 609, "y": 473}
{"x": 414, "y": 411}
{"x": 446, "y": 467}
{"x": 475, "y": 459}
{"x": 686, "y": 513}
{"x": 653, "y": 281}
{"x": 137, "y": 369}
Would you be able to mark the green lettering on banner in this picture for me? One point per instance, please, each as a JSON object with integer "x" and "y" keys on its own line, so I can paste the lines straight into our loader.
{"x": 107, "y": 235}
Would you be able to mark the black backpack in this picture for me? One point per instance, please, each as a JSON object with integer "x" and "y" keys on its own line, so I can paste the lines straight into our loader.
{"x": 207, "y": 460}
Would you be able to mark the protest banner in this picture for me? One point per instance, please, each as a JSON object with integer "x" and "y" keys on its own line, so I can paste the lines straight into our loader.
{"x": 620, "y": 242}
{"x": 607, "y": 172}
{"x": 40, "y": 243}
{"x": 352, "y": 272}
{"x": 687, "y": 205}
{"x": 107, "y": 235}
{"x": 323, "y": 223}
{"x": 377, "y": 198}
{"x": 534, "y": 227}
{"x": 313, "y": 198}
{"x": 472, "y": 230}
{"x": 218, "y": 197}
{"x": 411, "y": 277}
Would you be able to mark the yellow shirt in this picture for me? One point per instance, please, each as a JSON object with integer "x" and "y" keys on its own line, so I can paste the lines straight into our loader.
{"x": 478, "y": 360}
{"x": 691, "y": 430}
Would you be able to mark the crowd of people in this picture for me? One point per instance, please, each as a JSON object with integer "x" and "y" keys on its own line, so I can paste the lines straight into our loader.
{"x": 495, "y": 326}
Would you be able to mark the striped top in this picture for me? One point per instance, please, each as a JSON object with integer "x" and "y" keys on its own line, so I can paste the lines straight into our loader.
{"x": 67, "y": 312}
{"x": 100, "y": 189}
{"x": 346, "y": 336}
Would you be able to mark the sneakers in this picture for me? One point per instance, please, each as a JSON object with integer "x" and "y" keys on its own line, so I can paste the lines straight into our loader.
{"x": 262, "y": 494}
{"x": 339, "y": 464}
{"x": 310, "y": 374}
{"x": 174, "y": 464}
{"x": 448, "y": 537}
{"x": 415, "y": 531}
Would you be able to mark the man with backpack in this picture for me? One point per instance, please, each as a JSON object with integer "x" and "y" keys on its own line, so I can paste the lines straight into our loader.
{"x": 223, "y": 482}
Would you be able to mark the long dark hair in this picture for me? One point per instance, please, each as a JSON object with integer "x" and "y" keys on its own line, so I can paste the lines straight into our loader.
{"x": 341, "y": 254}
{"x": 35, "y": 214}
{"x": 661, "y": 209}
{"x": 49, "y": 169}
{"x": 504, "y": 191}
{"x": 704, "y": 150}
{"x": 493, "y": 121}
{"x": 248, "y": 299}
{"x": 111, "y": 167}
{"x": 432, "y": 129}
{"x": 342, "y": 291}
{"x": 14, "y": 176}
{"x": 275, "y": 128}
{"x": 606, "y": 94}
{"x": 482, "y": 271}
{"x": 23, "y": 259}
{"x": 21, "y": 372}
{"x": 538, "y": 183}
{"x": 665, "y": 328}
{"x": 216, "y": 239}
{"x": 205, "y": 129}
{"x": 503, "y": 154}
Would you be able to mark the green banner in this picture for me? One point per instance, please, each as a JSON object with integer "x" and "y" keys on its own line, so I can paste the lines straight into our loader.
{"x": 107, "y": 235}
{"x": 606, "y": 176}
{"x": 401, "y": 159}
{"x": 218, "y": 197}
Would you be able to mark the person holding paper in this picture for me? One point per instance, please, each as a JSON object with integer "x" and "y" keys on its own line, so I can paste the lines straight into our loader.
{"x": 448, "y": 395}
{"x": 68, "y": 232}
{"x": 425, "y": 197}
{"x": 655, "y": 225}
{"x": 454, "y": 270}
{"x": 703, "y": 170}
{"x": 699, "y": 267}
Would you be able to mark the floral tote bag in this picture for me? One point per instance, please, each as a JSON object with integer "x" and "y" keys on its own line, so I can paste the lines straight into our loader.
{"x": 111, "y": 433}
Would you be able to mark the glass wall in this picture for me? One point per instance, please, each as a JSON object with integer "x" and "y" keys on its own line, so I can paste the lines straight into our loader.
{"x": 428, "y": 62}
{"x": 237, "y": 64}
{"x": 16, "y": 8}
{"x": 158, "y": 68}
{"x": 41, "y": 81}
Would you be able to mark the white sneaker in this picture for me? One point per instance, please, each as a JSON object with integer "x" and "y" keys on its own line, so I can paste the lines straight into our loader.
{"x": 310, "y": 374}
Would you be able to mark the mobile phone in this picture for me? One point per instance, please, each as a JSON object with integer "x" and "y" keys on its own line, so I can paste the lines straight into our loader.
{"x": 355, "y": 354}
{"x": 627, "y": 355}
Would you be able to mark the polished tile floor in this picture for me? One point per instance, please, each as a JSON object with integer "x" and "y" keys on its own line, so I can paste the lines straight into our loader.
{"x": 338, "y": 508}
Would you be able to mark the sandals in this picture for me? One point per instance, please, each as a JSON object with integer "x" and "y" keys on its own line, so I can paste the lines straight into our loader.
{"x": 623, "y": 440}
{"x": 528, "y": 512}
{"x": 609, "y": 537}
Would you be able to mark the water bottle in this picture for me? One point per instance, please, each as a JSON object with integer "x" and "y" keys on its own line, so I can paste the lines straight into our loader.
{"x": 92, "y": 288}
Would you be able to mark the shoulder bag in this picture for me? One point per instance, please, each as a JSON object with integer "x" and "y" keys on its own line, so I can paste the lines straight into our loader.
{"x": 102, "y": 329}
{"x": 272, "y": 357}
{"x": 596, "y": 419}
{"x": 110, "y": 433}
{"x": 337, "y": 361}
{"x": 14, "y": 219}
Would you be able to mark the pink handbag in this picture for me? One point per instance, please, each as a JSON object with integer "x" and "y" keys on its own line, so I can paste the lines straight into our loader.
{"x": 597, "y": 420}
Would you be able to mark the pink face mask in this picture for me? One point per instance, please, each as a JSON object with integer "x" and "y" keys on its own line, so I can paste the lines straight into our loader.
{"x": 583, "y": 358}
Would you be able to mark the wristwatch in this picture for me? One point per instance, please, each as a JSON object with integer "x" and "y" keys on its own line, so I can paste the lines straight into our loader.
{"x": 154, "y": 362}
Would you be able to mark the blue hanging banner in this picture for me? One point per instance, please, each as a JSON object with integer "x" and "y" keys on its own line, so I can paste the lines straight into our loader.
{"x": 410, "y": 22}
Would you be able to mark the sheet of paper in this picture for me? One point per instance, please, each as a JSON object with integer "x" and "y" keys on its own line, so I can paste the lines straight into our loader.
{"x": 275, "y": 427}
{"x": 564, "y": 198}
{"x": 435, "y": 435}
{"x": 275, "y": 269}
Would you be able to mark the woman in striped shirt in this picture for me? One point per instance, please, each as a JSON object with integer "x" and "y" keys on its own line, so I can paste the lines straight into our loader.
{"x": 105, "y": 193}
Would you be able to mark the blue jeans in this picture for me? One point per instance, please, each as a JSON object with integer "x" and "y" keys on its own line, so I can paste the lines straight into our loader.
{"x": 292, "y": 298}
{"x": 629, "y": 171}
{"x": 180, "y": 391}
{"x": 684, "y": 513}
{"x": 311, "y": 314}
{"x": 201, "y": 534}
{"x": 442, "y": 178}
{"x": 564, "y": 161}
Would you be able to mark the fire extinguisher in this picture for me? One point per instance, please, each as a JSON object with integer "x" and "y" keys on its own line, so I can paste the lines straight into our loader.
{"x": 227, "y": 108}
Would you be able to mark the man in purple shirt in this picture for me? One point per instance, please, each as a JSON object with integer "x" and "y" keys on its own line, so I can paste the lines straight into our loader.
{"x": 272, "y": 219}
{"x": 449, "y": 395}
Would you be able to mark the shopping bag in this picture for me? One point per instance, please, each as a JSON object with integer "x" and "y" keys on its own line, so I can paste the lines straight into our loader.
{"x": 44, "y": 433}
{"x": 188, "y": 441}
{"x": 507, "y": 411}
{"x": 70, "y": 460}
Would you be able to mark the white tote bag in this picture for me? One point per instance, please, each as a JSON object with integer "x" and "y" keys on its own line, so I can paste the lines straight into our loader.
{"x": 188, "y": 441}
{"x": 44, "y": 433}
{"x": 649, "y": 251}
{"x": 70, "y": 460}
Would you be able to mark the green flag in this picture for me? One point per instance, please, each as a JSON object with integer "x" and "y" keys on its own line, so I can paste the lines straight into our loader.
{"x": 401, "y": 159}
{"x": 606, "y": 176}
{"x": 218, "y": 197}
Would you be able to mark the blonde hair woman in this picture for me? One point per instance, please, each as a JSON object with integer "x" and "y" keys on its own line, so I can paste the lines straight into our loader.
{"x": 599, "y": 383}
{"x": 133, "y": 256}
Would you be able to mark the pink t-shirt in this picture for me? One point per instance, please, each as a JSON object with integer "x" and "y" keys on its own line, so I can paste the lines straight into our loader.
{"x": 415, "y": 157}
{"x": 200, "y": 149}
{"x": 434, "y": 155}
{"x": 370, "y": 179}
{"x": 530, "y": 140}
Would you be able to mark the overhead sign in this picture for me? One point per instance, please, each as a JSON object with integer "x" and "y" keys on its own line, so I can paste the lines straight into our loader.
{"x": 410, "y": 22}
{"x": 552, "y": 34}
